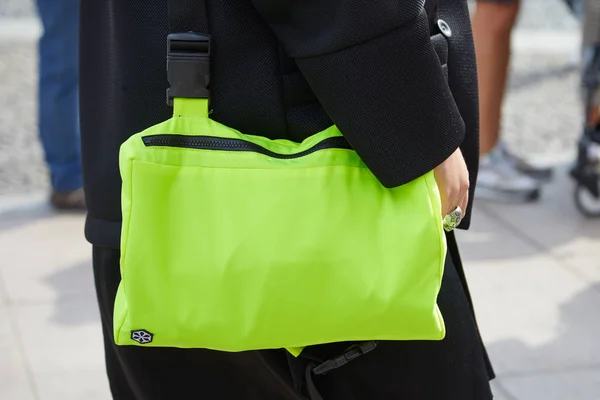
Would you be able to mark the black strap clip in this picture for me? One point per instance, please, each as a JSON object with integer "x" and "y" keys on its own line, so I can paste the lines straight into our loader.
{"x": 352, "y": 353}
{"x": 188, "y": 66}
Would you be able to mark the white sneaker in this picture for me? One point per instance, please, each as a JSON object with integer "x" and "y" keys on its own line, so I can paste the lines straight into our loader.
{"x": 500, "y": 180}
{"x": 541, "y": 173}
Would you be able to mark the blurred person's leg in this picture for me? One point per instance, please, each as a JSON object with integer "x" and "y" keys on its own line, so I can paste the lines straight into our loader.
{"x": 502, "y": 176}
{"x": 591, "y": 23}
{"x": 492, "y": 27}
{"x": 590, "y": 43}
{"x": 58, "y": 100}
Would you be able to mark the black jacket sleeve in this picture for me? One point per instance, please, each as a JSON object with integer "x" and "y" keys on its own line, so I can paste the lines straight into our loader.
{"x": 374, "y": 69}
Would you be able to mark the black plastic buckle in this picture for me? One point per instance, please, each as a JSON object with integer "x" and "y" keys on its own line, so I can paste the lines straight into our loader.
{"x": 188, "y": 65}
{"x": 352, "y": 353}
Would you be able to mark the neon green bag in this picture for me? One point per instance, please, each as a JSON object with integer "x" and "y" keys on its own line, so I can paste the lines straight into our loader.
{"x": 234, "y": 242}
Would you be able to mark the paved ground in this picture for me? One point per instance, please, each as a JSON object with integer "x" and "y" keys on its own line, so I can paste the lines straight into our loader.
{"x": 534, "y": 270}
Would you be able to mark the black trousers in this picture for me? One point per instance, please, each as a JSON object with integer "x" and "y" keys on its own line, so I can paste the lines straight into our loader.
{"x": 455, "y": 368}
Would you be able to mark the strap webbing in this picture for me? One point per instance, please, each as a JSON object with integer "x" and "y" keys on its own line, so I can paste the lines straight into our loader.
{"x": 188, "y": 16}
{"x": 311, "y": 388}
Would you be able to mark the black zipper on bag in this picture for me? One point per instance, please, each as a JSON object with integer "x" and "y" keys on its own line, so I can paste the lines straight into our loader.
{"x": 216, "y": 143}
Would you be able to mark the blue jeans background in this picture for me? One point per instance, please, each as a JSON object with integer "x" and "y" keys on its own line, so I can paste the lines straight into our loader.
{"x": 58, "y": 113}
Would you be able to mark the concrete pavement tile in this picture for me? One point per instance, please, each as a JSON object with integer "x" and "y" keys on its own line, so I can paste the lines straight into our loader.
{"x": 14, "y": 384}
{"x": 45, "y": 257}
{"x": 82, "y": 384}
{"x": 487, "y": 240}
{"x": 572, "y": 385}
{"x": 63, "y": 343}
{"x": 3, "y": 292}
{"x": 501, "y": 397}
{"x": 12, "y": 205}
{"x": 534, "y": 314}
{"x": 22, "y": 167}
{"x": 499, "y": 392}
{"x": 583, "y": 256}
{"x": 553, "y": 223}
{"x": 554, "y": 226}
{"x": 534, "y": 124}
{"x": 546, "y": 14}
{"x": 17, "y": 8}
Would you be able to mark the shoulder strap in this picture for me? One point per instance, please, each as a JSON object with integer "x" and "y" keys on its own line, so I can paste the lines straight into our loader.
{"x": 188, "y": 50}
{"x": 188, "y": 16}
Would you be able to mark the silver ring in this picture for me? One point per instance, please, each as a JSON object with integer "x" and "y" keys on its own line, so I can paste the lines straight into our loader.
{"x": 453, "y": 219}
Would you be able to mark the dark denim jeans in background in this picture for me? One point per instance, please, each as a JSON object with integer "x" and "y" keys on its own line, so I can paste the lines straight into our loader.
{"x": 58, "y": 92}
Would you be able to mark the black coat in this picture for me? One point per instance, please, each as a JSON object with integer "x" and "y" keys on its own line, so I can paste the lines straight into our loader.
{"x": 369, "y": 66}
{"x": 404, "y": 96}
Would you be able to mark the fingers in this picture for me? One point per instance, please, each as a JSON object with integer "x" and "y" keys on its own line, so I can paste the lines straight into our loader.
{"x": 452, "y": 178}
{"x": 454, "y": 217}
{"x": 447, "y": 205}
{"x": 450, "y": 202}
{"x": 464, "y": 203}
{"x": 444, "y": 205}
{"x": 459, "y": 197}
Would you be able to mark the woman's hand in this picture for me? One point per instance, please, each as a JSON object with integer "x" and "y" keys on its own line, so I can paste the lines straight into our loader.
{"x": 452, "y": 178}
